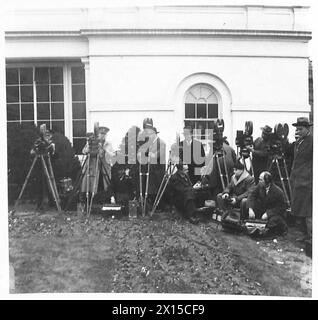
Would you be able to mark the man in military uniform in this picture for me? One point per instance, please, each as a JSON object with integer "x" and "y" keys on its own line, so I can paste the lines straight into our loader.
{"x": 151, "y": 149}
{"x": 98, "y": 173}
{"x": 302, "y": 175}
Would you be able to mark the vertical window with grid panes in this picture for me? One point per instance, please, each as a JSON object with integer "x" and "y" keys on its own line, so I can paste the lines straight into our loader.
{"x": 38, "y": 94}
{"x": 201, "y": 109}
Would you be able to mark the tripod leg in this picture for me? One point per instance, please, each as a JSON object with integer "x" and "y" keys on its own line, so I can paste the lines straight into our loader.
{"x": 146, "y": 190}
{"x": 87, "y": 182}
{"x": 141, "y": 198}
{"x": 95, "y": 185}
{"x": 51, "y": 175}
{"x": 220, "y": 171}
{"x": 283, "y": 183}
{"x": 287, "y": 178}
{"x": 50, "y": 183}
{"x": 24, "y": 184}
{"x": 77, "y": 184}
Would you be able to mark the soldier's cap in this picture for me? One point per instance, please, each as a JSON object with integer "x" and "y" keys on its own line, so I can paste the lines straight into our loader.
{"x": 302, "y": 122}
{"x": 146, "y": 122}
{"x": 267, "y": 129}
{"x": 150, "y": 126}
{"x": 103, "y": 130}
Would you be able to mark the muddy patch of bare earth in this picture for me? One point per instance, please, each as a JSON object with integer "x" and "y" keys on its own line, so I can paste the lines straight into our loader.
{"x": 64, "y": 253}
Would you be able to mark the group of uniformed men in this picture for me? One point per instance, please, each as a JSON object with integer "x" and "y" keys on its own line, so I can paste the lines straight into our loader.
{"x": 258, "y": 196}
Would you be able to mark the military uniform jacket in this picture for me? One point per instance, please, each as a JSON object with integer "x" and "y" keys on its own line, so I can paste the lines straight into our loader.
{"x": 301, "y": 178}
{"x": 241, "y": 187}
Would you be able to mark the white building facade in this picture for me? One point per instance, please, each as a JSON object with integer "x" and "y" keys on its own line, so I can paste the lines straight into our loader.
{"x": 176, "y": 64}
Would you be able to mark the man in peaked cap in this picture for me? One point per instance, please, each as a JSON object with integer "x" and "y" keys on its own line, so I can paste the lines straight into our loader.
{"x": 302, "y": 175}
{"x": 151, "y": 147}
{"x": 260, "y": 152}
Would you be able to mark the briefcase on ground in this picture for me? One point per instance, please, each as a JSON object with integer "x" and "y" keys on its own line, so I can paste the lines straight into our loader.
{"x": 231, "y": 220}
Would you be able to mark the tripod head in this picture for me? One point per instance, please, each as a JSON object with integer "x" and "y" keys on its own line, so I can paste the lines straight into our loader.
{"x": 44, "y": 144}
{"x": 277, "y": 140}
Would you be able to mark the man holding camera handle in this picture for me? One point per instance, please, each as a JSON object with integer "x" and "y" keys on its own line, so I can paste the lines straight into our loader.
{"x": 235, "y": 194}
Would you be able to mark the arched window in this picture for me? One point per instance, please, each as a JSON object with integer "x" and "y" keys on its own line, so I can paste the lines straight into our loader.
{"x": 201, "y": 108}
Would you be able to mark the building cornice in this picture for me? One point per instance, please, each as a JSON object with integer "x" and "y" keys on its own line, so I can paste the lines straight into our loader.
{"x": 299, "y": 35}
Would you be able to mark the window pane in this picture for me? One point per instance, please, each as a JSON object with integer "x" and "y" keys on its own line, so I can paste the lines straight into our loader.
{"x": 78, "y": 75}
{"x": 79, "y": 128}
{"x": 190, "y": 110}
{"x": 56, "y": 75}
{"x": 13, "y": 112}
{"x": 27, "y": 111}
{"x": 57, "y": 110}
{"x": 190, "y": 123}
{"x": 78, "y": 144}
{"x": 201, "y": 111}
{"x": 12, "y": 76}
{"x": 42, "y": 75}
{"x": 26, "y": 76}
{"x": 213, "y": 110}
{"x": 79, "y": 110}
{"x": 58, "y": 126}
{"x": 43, "y": 111}
{"x": 12, "y": 125}
{"x": 13, "y": 94}
{"x": 78, "y": 92}
{"x": 27, "y": 93}
{"x": 57, "y": 93}
{"x": 42, "y": 93}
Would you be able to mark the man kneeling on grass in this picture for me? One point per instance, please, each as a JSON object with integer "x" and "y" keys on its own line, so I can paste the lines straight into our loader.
{"x": 267, "y": 202}
{"x": 180, "y": 190}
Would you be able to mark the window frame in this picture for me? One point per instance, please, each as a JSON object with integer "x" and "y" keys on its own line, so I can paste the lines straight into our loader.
{"x": 67, "y": 91}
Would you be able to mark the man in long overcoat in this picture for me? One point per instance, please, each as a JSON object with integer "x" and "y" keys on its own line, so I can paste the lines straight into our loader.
{"x": 192, "y": 153}
{"x": 302, "y": 175}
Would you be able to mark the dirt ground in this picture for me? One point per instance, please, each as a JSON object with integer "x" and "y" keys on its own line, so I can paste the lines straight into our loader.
{"x": 55, "y": 252}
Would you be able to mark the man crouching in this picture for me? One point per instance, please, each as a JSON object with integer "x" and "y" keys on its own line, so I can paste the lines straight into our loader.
{"x": 179, "y": 189}
{"x": 235, "y": 194}
{"x": 267, "y": 202}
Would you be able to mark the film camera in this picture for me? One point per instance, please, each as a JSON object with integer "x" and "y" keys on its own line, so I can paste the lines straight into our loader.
{"x": 92, "y": 139}
{"x": 244, "y": 139}
{"x": 44, "y": 143}
{"x": 277, "y": 139}
{"x": 218, "y": 139}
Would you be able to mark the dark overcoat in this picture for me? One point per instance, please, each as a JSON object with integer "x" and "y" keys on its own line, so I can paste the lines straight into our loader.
{"x": 260, "y": 157}
{"x": 180, "y": 189}
{"x": 273, "y": 203}
{"x": 191, "y": 154}
{"x": 301, "y": 178}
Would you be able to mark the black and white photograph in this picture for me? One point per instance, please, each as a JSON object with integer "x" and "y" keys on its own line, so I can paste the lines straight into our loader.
{"x": 158, "y": 147}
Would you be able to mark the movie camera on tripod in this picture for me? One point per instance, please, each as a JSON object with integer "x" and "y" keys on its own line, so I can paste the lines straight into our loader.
{"x": 43, "y": 147}
{"x": 244, "y": 139}
{"x": 276, "y": 148}
{"x": 277, "y": 139}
